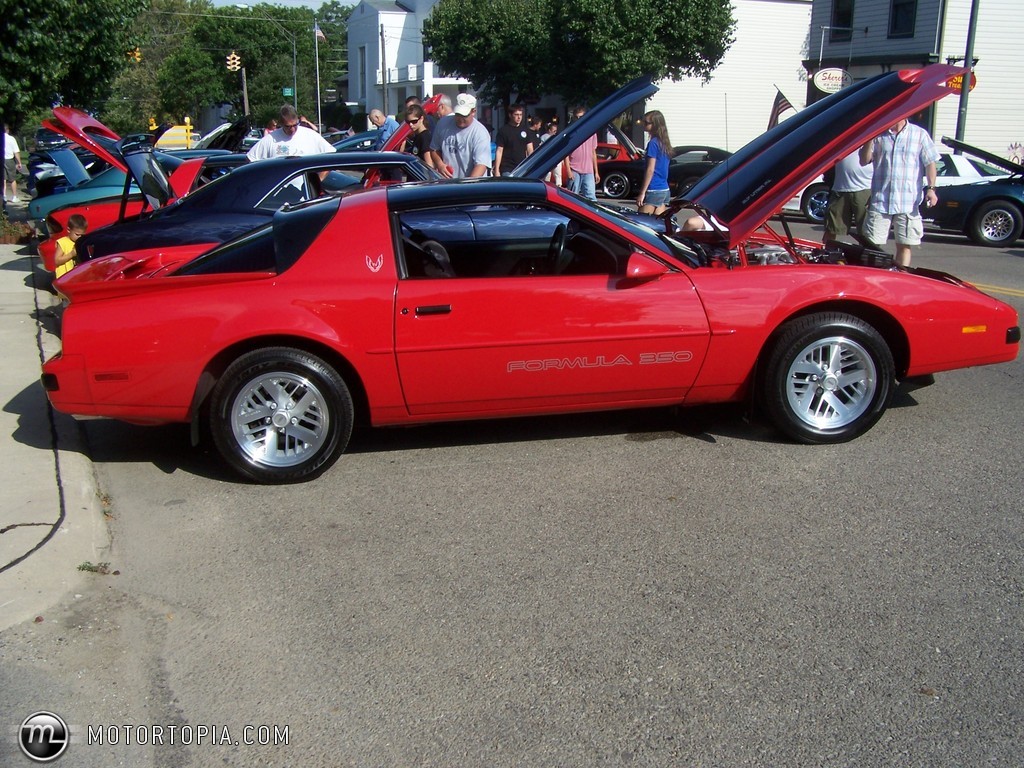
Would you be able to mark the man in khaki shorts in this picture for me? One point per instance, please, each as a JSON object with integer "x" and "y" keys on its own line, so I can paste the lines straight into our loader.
{"x": 901, "y": 156}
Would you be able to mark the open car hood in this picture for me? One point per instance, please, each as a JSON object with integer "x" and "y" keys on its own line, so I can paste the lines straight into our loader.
{"x": 981, "y": 154}
{"x": 148, "y": 174}
{"x": 543, "y": 161}
{"x": 88, "y": 132}
{"x": 752, "y": 185}
{"x": 227, "y": 136}
{"x": 74, "y": 171}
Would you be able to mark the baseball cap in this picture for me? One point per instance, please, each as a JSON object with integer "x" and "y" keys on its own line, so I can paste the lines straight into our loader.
{"x": 464, "y": 104}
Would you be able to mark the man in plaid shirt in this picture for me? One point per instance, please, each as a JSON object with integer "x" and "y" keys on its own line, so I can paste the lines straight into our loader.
{"x": 901, "y": 156}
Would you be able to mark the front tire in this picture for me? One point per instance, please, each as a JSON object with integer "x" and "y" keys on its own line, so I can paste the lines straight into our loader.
{"x": 996, "y": 223}
{"x": 280, "y": 415}
{"x": 828, "y": 378}
{"x": 616, "y": 185}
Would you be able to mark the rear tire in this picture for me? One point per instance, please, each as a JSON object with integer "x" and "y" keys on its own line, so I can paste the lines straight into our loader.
{"x": 280, "y": 415}
{"x": 828, "y": 379}
{"x": 996, "y": 224}
{"x": 616, "y": 185}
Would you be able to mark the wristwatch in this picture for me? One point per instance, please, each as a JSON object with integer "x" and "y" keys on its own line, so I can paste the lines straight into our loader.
{"x": 928, "y": 187}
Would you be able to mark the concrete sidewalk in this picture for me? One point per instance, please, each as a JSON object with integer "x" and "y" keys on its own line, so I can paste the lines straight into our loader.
{"x": 51, "y": 518}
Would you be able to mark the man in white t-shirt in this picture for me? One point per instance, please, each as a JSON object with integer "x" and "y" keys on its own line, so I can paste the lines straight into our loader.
{"x": 289, "y": 140}
{"x": 848, "y": 200}
{"x": 460, "y": 146}
{"x": 12, "y": 164}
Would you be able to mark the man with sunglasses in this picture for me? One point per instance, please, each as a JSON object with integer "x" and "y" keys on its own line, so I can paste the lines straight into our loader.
{"x": 289, "y": 139}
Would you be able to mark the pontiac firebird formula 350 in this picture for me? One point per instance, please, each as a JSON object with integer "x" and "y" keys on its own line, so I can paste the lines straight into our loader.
{"x": 505, "y": 297}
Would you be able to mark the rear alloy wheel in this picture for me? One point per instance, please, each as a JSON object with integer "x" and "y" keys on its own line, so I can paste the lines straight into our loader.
{"x": 814, "y": 204}
{"x": 280, "y": 415}
{"x": 616, "y": 185}
{"x": 828, "y": 379}
{"x": 996, "y": 223}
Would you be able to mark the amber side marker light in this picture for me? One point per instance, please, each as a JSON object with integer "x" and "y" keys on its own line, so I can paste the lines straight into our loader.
{"x": 974, "y": 329}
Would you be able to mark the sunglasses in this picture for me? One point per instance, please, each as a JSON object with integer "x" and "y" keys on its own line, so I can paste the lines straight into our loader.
{"x": 412, "y": 121}
{"x": 289, "y": 126}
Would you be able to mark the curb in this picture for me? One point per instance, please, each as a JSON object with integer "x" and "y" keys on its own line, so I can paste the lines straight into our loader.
{"x": 55, "y": 521}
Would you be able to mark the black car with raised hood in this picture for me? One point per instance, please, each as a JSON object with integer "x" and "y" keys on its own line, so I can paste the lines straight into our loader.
{"x": 991, "y": 211}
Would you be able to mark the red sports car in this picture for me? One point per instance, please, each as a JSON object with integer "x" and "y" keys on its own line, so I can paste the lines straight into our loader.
{"x": 504, "y": 297}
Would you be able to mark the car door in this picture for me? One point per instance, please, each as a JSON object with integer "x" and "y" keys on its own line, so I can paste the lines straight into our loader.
{"x": 504, "y": 338}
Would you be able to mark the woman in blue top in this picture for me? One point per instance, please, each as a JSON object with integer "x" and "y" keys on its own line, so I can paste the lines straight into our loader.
{"x": 654, "y": 194}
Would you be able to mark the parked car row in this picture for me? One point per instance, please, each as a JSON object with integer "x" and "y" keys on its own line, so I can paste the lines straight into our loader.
{"x": 404, "y": 303}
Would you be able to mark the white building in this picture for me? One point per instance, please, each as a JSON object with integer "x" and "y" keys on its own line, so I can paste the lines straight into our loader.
{"x": 865, "y": 37}
{"x": 771, "y": 40}
{"x": 386, "y": 62}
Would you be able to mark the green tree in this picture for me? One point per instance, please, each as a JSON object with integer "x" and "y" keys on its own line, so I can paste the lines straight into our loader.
{"x": 579, "y": 49}
{"x": 62, "y": 50}
{"x": 502, "y": 46}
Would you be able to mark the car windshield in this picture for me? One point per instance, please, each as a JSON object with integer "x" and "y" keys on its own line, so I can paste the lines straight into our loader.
{"x": 646, "y": 228}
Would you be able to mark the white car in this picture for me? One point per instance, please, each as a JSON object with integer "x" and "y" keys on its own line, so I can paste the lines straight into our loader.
{"x": 812, "y": 201}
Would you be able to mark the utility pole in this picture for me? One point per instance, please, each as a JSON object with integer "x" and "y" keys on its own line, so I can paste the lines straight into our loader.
{"x": 965, "y": 84}
{"x": 384, "y": 69}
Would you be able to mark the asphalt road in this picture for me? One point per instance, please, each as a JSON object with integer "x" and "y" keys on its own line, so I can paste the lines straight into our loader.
{"x": 642, "y": 588}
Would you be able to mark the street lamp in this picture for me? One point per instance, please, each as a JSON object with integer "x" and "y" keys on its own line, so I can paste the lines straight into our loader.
{"x": 279, "y": 25}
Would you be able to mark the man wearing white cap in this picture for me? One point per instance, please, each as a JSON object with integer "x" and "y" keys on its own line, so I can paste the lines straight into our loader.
{"x": 461, "y": 146}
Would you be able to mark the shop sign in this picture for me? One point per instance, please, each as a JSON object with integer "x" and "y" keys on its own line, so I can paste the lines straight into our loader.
{"x": 832, "y": 79}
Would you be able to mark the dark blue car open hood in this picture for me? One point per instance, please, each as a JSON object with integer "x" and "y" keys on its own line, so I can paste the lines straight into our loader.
{"x": 543, "y": 161}
{"x": 753, "y": 184}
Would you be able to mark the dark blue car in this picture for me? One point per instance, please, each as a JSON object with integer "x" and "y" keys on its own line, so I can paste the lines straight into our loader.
{"x": 245, "y": 198}
{"x": 989, "y": 212}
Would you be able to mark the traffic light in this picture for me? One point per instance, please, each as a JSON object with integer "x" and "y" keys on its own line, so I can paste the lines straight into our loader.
{"x": 234, "y": 61}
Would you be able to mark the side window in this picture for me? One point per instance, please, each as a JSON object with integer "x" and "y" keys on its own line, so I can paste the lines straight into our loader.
{"x": 505, "y": 241}
{"x": 295, "y": 190}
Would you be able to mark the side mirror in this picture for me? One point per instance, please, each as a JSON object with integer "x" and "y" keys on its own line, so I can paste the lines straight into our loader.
{"x": 642, "y": 268}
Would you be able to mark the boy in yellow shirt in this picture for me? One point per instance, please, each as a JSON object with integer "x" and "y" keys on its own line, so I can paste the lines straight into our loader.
{"x": 65, "y": 257}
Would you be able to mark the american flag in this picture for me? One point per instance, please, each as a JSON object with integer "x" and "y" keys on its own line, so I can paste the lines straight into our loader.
{"x": 319, "y": 33}
{"x": 781, "y": 105}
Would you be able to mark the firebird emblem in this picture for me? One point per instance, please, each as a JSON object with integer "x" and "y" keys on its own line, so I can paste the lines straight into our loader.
{"x": 375, "y": 264}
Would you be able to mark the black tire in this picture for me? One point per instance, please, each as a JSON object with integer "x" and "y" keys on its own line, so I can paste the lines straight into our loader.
{"x": 616, "y": 185}
{"x": 688, "y": 182}
{"x": 287, "y": 394}
{"x": 997, "y": 223}
{"x": 814, "y": 203}
{"x": 829, "y": 378}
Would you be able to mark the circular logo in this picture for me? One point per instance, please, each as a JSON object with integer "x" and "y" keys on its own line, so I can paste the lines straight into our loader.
{"x": 43, "y": 737}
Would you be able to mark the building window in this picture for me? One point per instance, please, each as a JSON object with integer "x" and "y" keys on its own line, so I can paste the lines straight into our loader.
{"x": 361, "y": 78}
{"x": 842, "y": 21}
{"x": 902, "y": 18}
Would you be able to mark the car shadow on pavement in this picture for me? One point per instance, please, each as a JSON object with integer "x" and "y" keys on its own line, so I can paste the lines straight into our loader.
{"x": 169, "y": 449}
{"x": 706, "y": 423}
{"x": 34, "y": 424}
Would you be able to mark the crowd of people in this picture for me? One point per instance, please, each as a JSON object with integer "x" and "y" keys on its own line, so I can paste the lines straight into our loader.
{"x": 874, "y": 190}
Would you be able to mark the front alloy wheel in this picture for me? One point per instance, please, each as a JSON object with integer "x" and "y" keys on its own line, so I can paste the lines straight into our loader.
{"x": 829, "y": 378}
{"x": 280, "y": 415}
{"x": 814, "y": 205}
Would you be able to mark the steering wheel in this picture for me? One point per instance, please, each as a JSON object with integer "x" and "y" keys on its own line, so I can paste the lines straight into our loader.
{"x": 556, "y": 247}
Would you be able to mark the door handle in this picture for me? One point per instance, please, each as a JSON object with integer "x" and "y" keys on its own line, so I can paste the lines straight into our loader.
{"x": 434, "y": 309}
